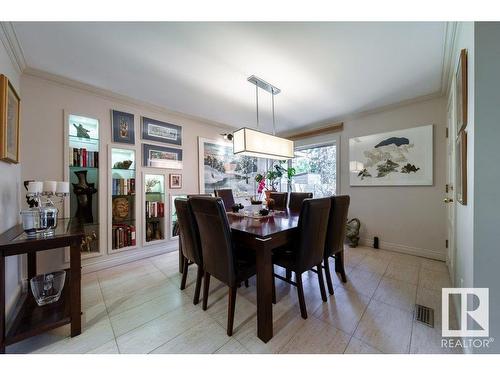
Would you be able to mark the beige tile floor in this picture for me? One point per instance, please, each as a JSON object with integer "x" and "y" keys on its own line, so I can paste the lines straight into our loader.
{"x": 138, "y": 308}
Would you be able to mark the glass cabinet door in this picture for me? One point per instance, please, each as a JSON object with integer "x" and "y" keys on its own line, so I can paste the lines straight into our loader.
{"x": 154, "y": 207}
{"x": 83, "y": 161}
{"x": 123, "y": 187}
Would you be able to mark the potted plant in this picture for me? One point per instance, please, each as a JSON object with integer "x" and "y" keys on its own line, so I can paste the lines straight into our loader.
{"x": 273, "y": 176}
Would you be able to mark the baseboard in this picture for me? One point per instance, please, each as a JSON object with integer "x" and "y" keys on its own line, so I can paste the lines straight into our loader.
{"x": 95, "y": 264}
{"x": 421, "y": 252}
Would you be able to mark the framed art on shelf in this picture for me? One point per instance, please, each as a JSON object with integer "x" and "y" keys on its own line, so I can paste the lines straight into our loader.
{"x": 122, "y": 125}
{"x": 397, "y": 158}
{"x": 10, "y": 105}
{"x": 159, "y": 131}
{"x": 161, "y": 157}
{"x": 461, "y": 165}
{"x": 461, "y": 94}
{"x": 175, "y": 181}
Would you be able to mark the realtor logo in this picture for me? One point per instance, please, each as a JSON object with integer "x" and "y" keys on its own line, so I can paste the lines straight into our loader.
{"x": 474, "y": 312}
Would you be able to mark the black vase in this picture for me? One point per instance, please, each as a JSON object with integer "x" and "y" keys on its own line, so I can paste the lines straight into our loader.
{"x": 84, "y": 191}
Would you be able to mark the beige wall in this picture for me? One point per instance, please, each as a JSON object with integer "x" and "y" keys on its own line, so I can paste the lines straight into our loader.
{"x": 43, "y": 140}
{"x": 10, "y": 181}
{"x": 412, "y": 218}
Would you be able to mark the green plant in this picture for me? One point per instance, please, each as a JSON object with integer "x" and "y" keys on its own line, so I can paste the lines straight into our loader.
{"x": 273, "y": 175}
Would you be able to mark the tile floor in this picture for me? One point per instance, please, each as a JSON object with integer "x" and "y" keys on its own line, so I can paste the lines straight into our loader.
{"x": 138, "y": 308}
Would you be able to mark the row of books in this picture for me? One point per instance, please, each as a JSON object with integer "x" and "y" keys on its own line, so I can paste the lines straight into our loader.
{"x": 123, "y": 186}
{"x": 123, "y": 235}
{"x": 155, "y": 209}
{"x": 80, "y": 157}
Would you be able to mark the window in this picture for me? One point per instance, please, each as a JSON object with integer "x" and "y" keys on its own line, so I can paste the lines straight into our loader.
{"x": 316, "y": 170}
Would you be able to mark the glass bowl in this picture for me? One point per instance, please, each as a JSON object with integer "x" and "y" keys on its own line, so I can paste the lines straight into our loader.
{"x": 47, "y": 288}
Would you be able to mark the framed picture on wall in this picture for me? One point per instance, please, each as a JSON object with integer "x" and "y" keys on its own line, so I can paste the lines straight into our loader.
{"x": 461, "y": 166}
{"x": 175, "y": 181}
{"x": 161, "y": 157}
{"x": 397, "y": 158}
{"x": 10, "y": 106}
{"x": 159, "y": 131}
{"x": 461, "y": 92}
{"x": 122, "y": 125}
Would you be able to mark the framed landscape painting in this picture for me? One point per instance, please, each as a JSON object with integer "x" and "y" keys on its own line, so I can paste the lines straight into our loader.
{"x": 10, "y": 106}
{"x": 160, "y": 131}
{"x": 122, "y": 124}
{"x": 398, "y": 158}
{"x": 220, "y": 168}
{"x": 161, "y": 157}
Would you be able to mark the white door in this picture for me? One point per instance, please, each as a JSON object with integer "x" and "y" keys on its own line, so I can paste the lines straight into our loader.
{"x": 449, "y": 194}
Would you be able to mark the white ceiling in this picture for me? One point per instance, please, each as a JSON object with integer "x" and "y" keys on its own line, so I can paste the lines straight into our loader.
{"x": 325, "y": 70}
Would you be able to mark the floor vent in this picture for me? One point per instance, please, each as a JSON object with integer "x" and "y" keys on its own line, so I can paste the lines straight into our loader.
{"x": 425, "y": 315}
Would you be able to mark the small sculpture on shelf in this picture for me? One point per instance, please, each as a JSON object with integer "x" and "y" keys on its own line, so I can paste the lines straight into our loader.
{"x": 150, "y": 184}
{"x": 84, "y": 191}
{"x": 120, "y": 209}
{"x": 89, "y": 242}
{"x": 81, "y": 132}
{"x": 352, "y": 232}
{"x": 125, "y": 164}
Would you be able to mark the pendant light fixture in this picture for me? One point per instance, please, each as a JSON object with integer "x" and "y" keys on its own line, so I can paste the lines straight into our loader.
{"x": 253, "y": 142}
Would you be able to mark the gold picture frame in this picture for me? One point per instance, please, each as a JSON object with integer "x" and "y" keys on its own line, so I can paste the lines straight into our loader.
{"x": 10, "y": 109}
{"x": 461, "y": 165}
{"x": 461, "y": 93}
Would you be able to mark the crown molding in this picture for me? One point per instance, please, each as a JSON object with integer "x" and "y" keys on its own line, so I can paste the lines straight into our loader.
{"x": 123, "y": 99}
{"x": 11, "y": 43}
{"x": 448, "y": 49}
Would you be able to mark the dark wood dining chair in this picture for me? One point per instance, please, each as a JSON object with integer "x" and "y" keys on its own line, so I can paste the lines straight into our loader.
{"x": 222, "y": 258}
{"x": 308, "y": 247}
{"x": 335, "y": 236}
{"x": 280, "y": 200}
{"x": 227, "y": 198}
{"x": 296, "y": 200}
{"x": 198, "y": 195}
{"x": 190, "y": 244}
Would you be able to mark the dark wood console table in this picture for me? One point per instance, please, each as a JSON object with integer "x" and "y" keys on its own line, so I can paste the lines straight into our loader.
{"x": 29, "y": 319}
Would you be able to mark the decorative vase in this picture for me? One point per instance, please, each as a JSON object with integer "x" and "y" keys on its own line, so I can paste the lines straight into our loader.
{"x": 84, "y": 191}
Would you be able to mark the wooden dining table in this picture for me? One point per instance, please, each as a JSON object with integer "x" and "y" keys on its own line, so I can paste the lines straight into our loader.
{"x": 262, "y": 235}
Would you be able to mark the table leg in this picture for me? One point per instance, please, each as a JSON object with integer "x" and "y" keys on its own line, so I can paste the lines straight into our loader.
{"x": 181, "y": 257}
{"x": 76, "y": 280}
{"x": 2, "y": 305}
{"x": 31, "y": 265}
{"x": 264, "y": 294}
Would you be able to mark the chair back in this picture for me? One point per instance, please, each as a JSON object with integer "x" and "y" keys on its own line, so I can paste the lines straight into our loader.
{"x": 190, "y": 238}
{"x": 312, "y": 227}
{"x": 296, "y": 200}
{"x": 279, "y": 200}
{"x": 215, "y": 237}
{"x": 198, "y": 195}
{"x": 227, "y": 198}
{"x": 337, "y": 224}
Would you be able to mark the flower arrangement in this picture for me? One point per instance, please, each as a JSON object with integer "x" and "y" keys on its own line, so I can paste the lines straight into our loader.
{"x": 273, "y": 176}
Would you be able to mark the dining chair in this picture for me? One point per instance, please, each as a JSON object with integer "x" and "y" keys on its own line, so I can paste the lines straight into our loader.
{"x": 308, "y": 247}
{"x": 335, "y": 236}
{"x": 222, "y": 258}
{"x": 198, "y": 195}
{"x": 227, "y": 198}
{"x": 296, "y": 200}
{"x": 280, "y": 200}
{"x": 190, "y": 244}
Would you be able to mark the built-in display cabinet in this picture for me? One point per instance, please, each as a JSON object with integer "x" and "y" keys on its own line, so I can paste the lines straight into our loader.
{"x": 155, "y": 208}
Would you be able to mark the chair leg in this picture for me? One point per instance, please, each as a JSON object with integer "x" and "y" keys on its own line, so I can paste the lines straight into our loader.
{"x": 321, "y": 282}
{"x": 339, "y": 266}
{"x": 184, "y": 274}
{"x": 199, "y": 277}
{"x": 246, "y": 283}
{"x": 206, "y": 286}
{"x": 300, "y": 292}
{"x": 288, "y": 275}
{"x": 328, "y": 276}
{"x": 230, "y": 309}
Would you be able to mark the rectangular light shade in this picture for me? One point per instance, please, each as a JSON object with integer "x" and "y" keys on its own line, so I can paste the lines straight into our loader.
{"x": 251, "y": 142}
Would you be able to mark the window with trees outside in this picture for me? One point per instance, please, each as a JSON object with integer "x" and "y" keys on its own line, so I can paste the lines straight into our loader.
{"x": 315, "y": 170}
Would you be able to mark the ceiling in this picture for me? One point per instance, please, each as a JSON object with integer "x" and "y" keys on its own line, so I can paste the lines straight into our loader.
{"x": 325, "y": 70}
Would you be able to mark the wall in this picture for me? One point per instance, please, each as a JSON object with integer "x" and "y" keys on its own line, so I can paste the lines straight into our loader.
{"x": 10, "y": 177}
{"x": 45, "y": 100}
{"x": 486, "y": 159}
{"x": 409, "y": 219}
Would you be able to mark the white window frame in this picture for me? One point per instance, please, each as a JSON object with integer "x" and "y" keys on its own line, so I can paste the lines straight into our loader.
{"x": 319, "y": 141}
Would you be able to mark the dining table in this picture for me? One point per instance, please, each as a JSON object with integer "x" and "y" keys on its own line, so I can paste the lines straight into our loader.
{"x": 262, "y": 235}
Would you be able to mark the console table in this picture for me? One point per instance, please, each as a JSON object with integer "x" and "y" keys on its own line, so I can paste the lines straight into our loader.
{"x": 29, "y": 319}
